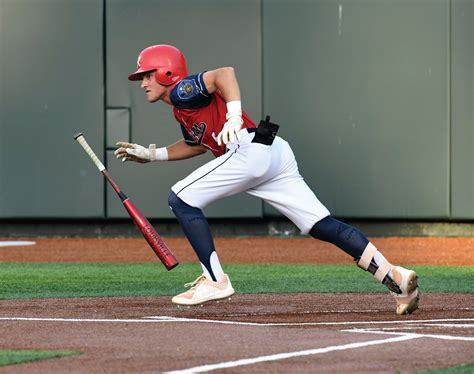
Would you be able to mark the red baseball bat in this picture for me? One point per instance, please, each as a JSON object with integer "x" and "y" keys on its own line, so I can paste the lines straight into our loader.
{"x": 150, "y": 234}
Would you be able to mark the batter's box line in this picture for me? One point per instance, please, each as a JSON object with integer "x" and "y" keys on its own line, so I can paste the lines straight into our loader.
{"x": 451, "y": 325}
{"x": 414, "y": 335}
{"x": 284, "y": 324}
{"x": 287, "y": 355}
{"x": 423, "y": 326}
{"x": 168, "y": 319}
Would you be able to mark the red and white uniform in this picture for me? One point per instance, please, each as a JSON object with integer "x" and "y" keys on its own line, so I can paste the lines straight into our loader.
{"x": 201, "y": 114}
{"x": 268, "y": 172}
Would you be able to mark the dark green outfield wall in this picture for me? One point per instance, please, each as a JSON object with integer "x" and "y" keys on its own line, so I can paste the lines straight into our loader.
{"x": 375, "y": 96}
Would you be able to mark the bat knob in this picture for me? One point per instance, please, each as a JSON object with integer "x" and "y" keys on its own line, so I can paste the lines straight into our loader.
{"x": 77, "y": 135}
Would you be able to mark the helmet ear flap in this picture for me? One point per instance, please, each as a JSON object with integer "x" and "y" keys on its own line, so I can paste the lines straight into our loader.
{"x": 165, "y": 76}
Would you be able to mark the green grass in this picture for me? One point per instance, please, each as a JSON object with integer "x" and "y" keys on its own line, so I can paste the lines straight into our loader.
{"x": 17, "y": 356}
{"x": 461, "y": 369}
{"x": 43, "y": 280}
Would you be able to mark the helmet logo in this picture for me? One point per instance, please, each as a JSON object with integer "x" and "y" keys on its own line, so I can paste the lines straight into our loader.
{"x": 139, "y": 62}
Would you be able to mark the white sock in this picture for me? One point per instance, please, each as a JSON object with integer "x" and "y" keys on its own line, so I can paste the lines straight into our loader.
{"x": 215, "y": 267}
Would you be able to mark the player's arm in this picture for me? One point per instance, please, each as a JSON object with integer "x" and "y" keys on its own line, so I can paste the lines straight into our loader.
{"x": 177, "y": 151}
{"x": 181, "y": 150}
{"x": 225, "y": 80}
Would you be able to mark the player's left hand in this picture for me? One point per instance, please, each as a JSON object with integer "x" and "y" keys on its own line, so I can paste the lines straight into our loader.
{"x": 135, "y": 152}
{"x": 231, "y": 130}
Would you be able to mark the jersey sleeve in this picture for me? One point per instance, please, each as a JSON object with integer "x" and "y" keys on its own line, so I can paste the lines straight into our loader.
{"x": 191, "y": 93}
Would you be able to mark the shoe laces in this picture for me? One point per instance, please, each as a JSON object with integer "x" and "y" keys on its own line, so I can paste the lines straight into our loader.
{"x": 196, "y": 282}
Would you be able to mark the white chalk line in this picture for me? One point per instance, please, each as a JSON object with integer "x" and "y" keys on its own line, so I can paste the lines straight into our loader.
{"x": 284, "y": 324}
{"x": 284, "y": 356}
{"x": 94, "y": 320}
{"x": 425, "y": 325}
{"x": 451, "y": 325}
{"x": 400, "y": 336}
{"x": 332, "y": 311}
{"x": 417, "y": 335}
{"x": 15, "y": 243}
{"x": 168, "y": 319}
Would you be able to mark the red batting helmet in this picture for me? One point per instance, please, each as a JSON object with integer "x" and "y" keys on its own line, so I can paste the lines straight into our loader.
{"x": 167, "y": 61}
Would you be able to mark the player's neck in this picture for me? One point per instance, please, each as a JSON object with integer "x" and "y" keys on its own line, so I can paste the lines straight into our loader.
{"x": 166, "y": 98}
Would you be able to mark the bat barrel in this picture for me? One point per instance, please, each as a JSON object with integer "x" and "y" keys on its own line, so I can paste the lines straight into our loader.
{"x": 154, "y": 240}
{"x": 151, "y": 236}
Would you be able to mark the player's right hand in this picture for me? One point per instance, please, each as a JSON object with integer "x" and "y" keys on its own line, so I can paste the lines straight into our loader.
{"x": 135, "y": 152}
{"x": 230, "y": 132}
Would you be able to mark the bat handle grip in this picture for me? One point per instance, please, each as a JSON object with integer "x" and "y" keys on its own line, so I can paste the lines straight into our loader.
{"x": 82, "y": 141}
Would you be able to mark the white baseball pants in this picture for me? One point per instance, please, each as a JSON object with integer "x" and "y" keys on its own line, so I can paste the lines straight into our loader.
{"x": 268, "y": 172}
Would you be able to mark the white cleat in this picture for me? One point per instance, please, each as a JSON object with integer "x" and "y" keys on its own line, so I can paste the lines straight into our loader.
{"x": 407, "y": 280}
{"x": 203, "y": 290}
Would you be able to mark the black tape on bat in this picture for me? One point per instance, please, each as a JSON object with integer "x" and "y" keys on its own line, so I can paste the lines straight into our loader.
{"x": 266, "y": 132}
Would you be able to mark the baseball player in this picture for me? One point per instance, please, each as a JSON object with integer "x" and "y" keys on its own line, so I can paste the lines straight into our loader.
{"x": 250, "y": 159}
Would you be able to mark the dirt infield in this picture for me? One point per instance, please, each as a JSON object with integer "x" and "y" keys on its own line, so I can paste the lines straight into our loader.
{"x": 414, "y": 251}
{"x": 280, "y": 333}
{"x": 309, "y": 332}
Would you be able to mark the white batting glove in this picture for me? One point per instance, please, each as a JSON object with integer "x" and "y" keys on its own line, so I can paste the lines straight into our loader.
{"x": 232, "y": 127}
{"x": 231, "y": 130}
{"x": 138, "y": 153}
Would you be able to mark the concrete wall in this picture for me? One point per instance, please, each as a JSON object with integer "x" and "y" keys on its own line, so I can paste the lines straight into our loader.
{"x": 51, "y": 87}
{"x": 366, "y": 103}
{"x": 375, "y": 97}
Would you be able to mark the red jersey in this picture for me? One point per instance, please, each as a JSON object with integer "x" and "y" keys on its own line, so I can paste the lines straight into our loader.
{"x": 201, "y": 114}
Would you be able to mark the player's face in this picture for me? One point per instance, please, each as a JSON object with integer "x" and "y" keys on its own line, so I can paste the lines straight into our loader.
{"x": 154, "y": 91}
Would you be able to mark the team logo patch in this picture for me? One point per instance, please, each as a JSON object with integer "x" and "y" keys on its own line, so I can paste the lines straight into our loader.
{"x": 186, "y": 89}
{"x": 197, "y": 132}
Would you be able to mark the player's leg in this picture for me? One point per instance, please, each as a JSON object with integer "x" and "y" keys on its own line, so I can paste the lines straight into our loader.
{"x": 219, "y": 178}
{"x": 400, "y": 281}
{"x": 213, "y": 284}
{"x": 198, "y": 232}
{"x": 288, "y": 193}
